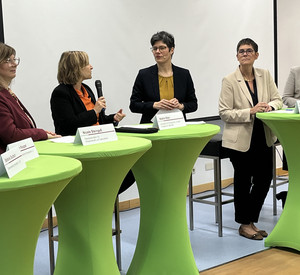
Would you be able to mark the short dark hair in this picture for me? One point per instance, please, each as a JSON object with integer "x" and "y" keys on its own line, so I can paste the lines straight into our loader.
{"x": 247, "y": 41}
{"x": 165, "y": 37}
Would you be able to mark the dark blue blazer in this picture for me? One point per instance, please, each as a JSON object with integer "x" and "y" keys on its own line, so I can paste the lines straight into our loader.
{"x": 146, "y": 91}
{"x": 69, "y": 112}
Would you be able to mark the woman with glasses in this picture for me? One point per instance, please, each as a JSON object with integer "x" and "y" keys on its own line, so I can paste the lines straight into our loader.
{"x": 16, "y": 122}
{"x": 244, "y": 93}
{"x": 164, "y": 85}
{"x": 73, "y": 103}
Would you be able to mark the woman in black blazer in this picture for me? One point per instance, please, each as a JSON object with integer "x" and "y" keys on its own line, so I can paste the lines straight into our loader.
{"x": 73, "y": 103}
{"x": 162, "y": 86}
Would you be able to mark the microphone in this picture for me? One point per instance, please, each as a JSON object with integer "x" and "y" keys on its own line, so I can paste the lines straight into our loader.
{"x": 98, "y": 85}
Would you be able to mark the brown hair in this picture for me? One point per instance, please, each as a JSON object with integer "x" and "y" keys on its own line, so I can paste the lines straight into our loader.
{"x": 5, "y": 53}
{"x": 70, "y": 65}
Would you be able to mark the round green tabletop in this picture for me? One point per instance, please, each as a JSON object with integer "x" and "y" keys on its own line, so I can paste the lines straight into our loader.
{"x": 25, "y": 200}
{"x": 286, "y": 126}
{"x": 162, "y": 175}
{"x": 84, "y": 209}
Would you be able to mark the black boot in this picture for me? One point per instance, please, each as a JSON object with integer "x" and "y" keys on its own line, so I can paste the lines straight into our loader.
{"x": 282, "y": 196}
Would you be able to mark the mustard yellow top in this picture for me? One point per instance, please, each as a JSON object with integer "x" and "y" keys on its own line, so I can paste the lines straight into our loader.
{"x": 166, "y": 87}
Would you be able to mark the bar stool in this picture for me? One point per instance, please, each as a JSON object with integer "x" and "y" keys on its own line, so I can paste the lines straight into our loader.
{"x": 277, "y": 180}
{"x": 215, "y": 151}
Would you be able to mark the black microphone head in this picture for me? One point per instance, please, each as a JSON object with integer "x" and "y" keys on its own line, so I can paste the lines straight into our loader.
{"x": 98, "y": 84}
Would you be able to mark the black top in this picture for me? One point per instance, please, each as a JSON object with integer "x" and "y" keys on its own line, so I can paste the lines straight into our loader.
{"x": 69, "y": 112}
{"x": 146, "y": 91}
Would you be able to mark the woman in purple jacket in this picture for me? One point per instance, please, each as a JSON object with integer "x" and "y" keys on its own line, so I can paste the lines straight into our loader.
{"x": 16, "y": 122}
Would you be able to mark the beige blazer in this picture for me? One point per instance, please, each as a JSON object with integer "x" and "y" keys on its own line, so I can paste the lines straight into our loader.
{"x": 291, "y": 91}
{"x": 234, "y": 108}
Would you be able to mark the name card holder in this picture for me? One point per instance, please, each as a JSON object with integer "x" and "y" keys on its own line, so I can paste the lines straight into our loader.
{"x": 26, "y": 147}
{"x": 297, "y": 107}
{"x": 12, "y": 162}
{"x": 167, "y": 119}
{"x": 95, "y": 134}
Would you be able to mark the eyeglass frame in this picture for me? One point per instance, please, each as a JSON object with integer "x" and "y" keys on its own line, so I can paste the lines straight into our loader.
{"x": 14, "y": 61}
{"x": 248, "y": 51}
{"x": 160, "y": 49}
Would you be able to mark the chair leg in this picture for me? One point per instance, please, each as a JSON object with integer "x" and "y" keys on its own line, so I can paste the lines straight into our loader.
{"x": 191, "y": 209}
{"x": 51, "y": 243}
{"x": 218, "y": 197}
{"x": 274, "y": 181}
{"x": 118, "y": 233}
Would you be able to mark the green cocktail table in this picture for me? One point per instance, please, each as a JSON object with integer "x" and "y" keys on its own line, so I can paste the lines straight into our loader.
{"x": 162, "y": 175}
{"x": 25, "y": 200}
{"x": 286, "y": 127}
{"x": 84, "y": 209}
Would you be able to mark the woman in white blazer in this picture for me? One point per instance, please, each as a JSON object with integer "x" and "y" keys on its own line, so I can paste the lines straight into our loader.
{"x": 245, "y": 92}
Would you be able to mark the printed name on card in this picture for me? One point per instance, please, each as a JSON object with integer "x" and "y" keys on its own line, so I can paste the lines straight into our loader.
{"x": 95, "y": 134}
{"x": 26, "y": 147}
{"x": 12, "y": 162}
{"x": 167, "y": 119}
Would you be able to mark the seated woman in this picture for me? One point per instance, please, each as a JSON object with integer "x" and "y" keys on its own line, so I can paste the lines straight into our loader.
{"x": 73, "y": 103}
{"x": 16, "y": 121}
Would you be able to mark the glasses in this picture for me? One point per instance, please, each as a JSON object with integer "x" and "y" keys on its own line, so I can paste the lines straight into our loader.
{"x": 160, "y": 48}
{"x": 14, "y": 61}
{"x": 248, "y": 51}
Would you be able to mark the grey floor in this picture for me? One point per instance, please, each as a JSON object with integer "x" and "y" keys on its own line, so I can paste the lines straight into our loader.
{"x": 209, "y": 249}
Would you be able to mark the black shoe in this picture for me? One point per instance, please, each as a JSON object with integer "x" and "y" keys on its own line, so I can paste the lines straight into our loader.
{"x": 282, "y": 196}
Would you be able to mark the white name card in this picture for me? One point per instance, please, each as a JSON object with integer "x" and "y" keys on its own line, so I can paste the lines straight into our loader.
{"x": 297, "y": 107}
{"x": 95, "y": 134}
{"x": 26, "y": 147}
{"x": 12, "y": 162}
{"x": 167, "y": 119}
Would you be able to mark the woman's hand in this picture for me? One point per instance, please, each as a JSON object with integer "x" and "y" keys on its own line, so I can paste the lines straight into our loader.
{"x": 260, "y": 108}
{"x": 165, "y": 104}
{"x": 176, "y": 104}
{"x": 119, "y": 115}
{"x": 100, "y": 104}
{"x": 52, "y": 135}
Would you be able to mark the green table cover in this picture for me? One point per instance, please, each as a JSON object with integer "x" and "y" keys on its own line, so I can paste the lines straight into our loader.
{"x": 84, "y": 209}
{"x": 286, "y": 127}
{"x": 162, "y": 175}
{"x": 25, "y": 200}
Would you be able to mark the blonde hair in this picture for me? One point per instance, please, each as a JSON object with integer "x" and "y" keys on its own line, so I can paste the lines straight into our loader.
{"x": 5, "y": 53}
{"x": 70, "y": 65}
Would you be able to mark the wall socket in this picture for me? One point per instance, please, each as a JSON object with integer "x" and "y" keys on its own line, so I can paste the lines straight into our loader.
{"x": 209, "y": 166}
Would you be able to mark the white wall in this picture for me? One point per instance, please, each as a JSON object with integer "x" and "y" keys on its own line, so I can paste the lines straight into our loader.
{"x": 116, "y": 36}
{"x": 288, "y": 39}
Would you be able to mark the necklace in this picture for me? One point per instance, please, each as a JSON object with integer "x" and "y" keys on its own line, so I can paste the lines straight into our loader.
{"x": 248, "y": 79}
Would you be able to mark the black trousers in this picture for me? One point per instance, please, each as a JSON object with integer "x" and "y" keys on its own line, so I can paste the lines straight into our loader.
{"x": 252, "y": 176}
